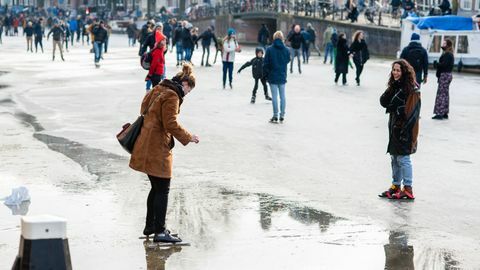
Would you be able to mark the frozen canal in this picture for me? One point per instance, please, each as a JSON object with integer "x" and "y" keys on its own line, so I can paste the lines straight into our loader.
{"x": 251, "y": 195}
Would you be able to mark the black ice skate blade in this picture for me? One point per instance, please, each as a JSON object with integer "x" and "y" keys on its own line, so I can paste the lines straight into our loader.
{"x": 152, "y": 244}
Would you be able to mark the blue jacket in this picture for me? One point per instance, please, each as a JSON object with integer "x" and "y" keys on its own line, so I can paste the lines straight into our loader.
{"x": 275, "y": 63}
{"x": 73, "y": 25}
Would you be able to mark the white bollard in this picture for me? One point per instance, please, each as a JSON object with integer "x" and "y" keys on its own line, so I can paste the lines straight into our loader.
{"x": 43, "y": 244}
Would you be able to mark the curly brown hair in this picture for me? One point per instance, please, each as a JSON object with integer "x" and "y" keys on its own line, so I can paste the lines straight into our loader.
{"x": 407, "y": 80}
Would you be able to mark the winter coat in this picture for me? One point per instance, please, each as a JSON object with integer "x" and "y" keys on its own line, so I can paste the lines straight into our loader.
{"x": 275, "y": 62}
{"x": 263, "y": 35}
{"x": 228, "y": 52}
{"x": 38, "y": 30}
{"x": 403, "y": 124}
{"x": 207, "y": 38}
{"x": 99, "y": 33}
{"x": 143, "y": 34}
{"x": 445, "y": 63}
{"x": 313, "y": 35}
{"x": 417, "y": 57}
{"x": 177, "y": 35}
{"x": 57, "y": 32}
{"x": 157, "y": 63}
{"x": 152, "y": 153}
{"x": 187, "y": 39}
{"x": 73, "y": 25}
{"x": 167, "y": 29}
{"x": 360, "y": 52}
{"x": 296, "y": 40}
{"x": 28, "y": 31}
{"x": 132, "y": 30}
{"x": 341, "y": 60}
{"x": 149, "y": 42}
{"x": 257, "y": 67}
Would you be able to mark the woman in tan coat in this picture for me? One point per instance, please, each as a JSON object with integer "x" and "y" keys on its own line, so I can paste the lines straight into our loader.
{"x": 152, "y": 153}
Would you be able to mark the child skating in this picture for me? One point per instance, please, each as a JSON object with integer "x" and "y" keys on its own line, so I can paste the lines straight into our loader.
{"x": 257, "y": 74}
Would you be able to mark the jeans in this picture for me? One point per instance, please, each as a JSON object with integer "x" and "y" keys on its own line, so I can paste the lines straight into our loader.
{"x": 227, "y": 66}
{"x": 157, "y": 202}
{"x": 131, "y": 41}
{"x": 148, "y": 85}
{"x": 402, "y": 170}
{"x": 295, "y": 53}
{"x": 306, "y": 52}
{"x": 179, "y": 48}
{"x": 188, "y": 54}
{"x": 278, "y": 89}
{"x": 328, "y": 51}
{"x": 97, "y": 46}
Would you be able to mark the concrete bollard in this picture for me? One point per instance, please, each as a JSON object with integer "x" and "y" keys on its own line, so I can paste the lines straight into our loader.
{"x": 43, "y": 244}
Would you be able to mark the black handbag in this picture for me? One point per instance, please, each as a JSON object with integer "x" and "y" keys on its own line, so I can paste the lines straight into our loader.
{"x": 129, "y": 133}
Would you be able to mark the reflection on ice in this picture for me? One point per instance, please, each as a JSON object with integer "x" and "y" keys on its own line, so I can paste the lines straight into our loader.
{"x": 156, "y": 257}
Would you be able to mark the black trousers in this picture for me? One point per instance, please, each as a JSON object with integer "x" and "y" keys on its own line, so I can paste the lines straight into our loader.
{"x": 38, "y": 41}
{"x": 359, "y": 69}
{"x": 207, "y": 49}
{"x": 344, "y": 77}
{"x": 255, "y": 87}
{"x": 156, "y": 79}
{"x": 157, "y": 203}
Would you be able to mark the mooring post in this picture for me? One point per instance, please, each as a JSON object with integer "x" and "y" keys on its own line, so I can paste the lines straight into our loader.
{"x": 43, "y": 244}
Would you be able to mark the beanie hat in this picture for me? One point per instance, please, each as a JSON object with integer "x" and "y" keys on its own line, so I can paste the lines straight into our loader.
{"x": 231, "y": 31}
{"x": 415, "y": 36}
{"x": 258, "y": 49}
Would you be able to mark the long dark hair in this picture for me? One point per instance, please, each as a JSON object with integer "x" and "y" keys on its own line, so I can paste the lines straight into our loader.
{"x": 407, "y": 80}
{"x": 449, "y": 47}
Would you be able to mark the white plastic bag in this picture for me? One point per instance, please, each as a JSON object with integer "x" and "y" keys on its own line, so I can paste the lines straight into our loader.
{"x": 18, "y": 196}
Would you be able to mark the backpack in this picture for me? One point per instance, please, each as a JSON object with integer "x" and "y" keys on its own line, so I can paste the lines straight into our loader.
{"x": 146, "y": 59}
{"x": 415, "y": 58}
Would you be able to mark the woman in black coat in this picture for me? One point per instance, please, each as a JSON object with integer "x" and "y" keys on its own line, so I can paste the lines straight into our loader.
{"x": 444, "y": 75}
{"x": 341, "y": 59}
{"x": 360, "y": 53}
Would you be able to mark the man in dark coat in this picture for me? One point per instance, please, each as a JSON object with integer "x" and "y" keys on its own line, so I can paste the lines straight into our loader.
{"x": 417, "y": 57}
{"x": 296, "y": 40}
{"x": 58, "y": 36}
{"x": 100, "y": 34}
{"x": 263, "y": 36}
{"x": 207, "y": 38}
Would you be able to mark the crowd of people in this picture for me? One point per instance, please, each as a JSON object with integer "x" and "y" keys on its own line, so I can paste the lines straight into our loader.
{"x": 269, "y": 65}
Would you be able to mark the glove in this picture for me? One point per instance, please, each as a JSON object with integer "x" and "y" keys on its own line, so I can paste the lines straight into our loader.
{"x": 148, "y": 78}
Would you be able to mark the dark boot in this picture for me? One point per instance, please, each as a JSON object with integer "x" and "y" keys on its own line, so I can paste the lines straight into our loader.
{"x": 437, "y": 117}
{"x": 252, "y": 100}
{"x": 148, "y": 230}
{"x": 268, "y": 98}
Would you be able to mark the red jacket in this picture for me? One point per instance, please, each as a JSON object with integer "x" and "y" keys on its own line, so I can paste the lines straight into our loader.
{"x": 158, "y": 62}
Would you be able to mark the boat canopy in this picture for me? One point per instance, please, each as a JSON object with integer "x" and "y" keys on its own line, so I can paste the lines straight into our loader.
{"x": 450, "y": 22}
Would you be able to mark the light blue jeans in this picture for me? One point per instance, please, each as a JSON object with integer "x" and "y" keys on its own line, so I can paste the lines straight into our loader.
{"x": 97, "y": 47}
{"x": 402, "y": 170}
{"x": 278, "y": 89}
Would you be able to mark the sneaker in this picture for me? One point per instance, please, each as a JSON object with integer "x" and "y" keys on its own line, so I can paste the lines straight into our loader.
{"x": 445, "y": 116}
{"x": 281, "y": 119}
{"x": 252, "y": 100}
{"x": 208, "y": 65}
{"x": 166, "y": 237}
{"x": 394, "y": 189}
{"x": 268, "y": 98}
{"x": 274, "y": 120}
{"x": 406, "y": 193}
{"x": 437, "y": 117}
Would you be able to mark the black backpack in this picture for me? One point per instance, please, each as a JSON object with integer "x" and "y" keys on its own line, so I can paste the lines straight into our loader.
{"x": 415, "y": 58}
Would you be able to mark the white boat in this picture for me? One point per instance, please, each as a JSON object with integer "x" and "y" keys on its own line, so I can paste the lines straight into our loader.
{"x": 463, "y": 31}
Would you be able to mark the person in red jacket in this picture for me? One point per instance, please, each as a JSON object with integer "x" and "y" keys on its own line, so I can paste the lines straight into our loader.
{"x": 156, "y": 73}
